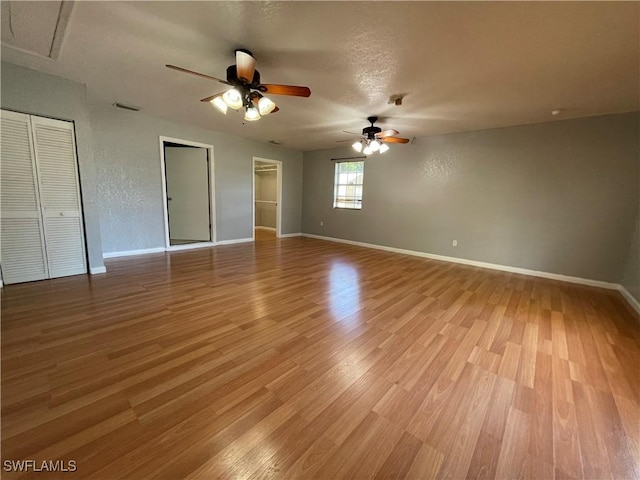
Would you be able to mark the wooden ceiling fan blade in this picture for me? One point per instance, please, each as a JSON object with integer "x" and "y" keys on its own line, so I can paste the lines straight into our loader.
{"x": 387, "y": 133}
{"x": 292, "y": 90}
{"x": 395, "y": 140}
{"x": 245, "y": 66}
{"x": 211, "y": 97}
{"x": 352, "y": 133}
{"x": 197, "y": 74}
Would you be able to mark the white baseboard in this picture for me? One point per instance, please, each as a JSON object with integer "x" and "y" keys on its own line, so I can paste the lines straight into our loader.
{"x": 635, "y": 304}
{"x": 233, "y": 241}
{"x": 189, "y": 246}
{"x": 288, "y": 235}
{"x": 127, "y": 253}
{"x": 97, "y": 270}
{"x": 271, "y": 229}
{"x": 474, "y": 263}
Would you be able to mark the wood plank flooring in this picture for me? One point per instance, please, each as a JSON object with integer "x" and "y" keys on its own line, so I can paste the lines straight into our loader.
{"x": 262, "y": 235}
{"x": 299, "y": 358}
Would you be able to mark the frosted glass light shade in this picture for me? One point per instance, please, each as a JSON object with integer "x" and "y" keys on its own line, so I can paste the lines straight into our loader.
{"x": 374, "y": 145}
{"x": 220, "y": 105}
{"x": 357, "y": 146}
{"x": 232, "y": 98}
{"x": 265, "y": 106}
{"x": 383, "y": 147}
{"x": 252, "y": 114}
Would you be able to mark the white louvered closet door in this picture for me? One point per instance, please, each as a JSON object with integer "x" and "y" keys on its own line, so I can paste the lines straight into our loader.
{"x": 56, "y": 165}
{"x": 22, "y": 246}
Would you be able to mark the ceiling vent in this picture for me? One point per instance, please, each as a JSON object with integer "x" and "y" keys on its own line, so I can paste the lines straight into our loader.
{"x": 123, "y": 106}
{"x": 35, "y": 27}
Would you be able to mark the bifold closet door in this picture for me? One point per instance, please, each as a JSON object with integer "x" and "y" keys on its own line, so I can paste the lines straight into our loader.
{"x": 22, "y": 246}
{"x": 41, "y": 229}
{"x": 56, "y": 166}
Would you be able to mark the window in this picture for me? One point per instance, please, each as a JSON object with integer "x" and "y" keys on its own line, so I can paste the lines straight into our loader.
{"x": 347, "y": 192}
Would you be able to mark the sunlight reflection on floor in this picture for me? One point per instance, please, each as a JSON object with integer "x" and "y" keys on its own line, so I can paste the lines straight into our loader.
{"x": 343, "y": 291}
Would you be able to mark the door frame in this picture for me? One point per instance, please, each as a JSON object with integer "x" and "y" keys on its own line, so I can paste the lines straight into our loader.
{"x": 278, "y": 163}
{"x": 212, "y": 196}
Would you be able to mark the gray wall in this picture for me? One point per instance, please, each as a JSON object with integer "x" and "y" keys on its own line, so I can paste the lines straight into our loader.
{"x": 127, "y": 151}
{"x": 36, "y": 93}
{"x": 558, "y": 197}
{"x": 631, "y": 278}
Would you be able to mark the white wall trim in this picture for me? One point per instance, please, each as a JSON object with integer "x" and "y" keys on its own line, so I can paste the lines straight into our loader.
{"x": 1, "y": 284}
{"x": 288, "y": 235}
{"x": 128, "y": 253}
{"x": 212, "y": 186}
{"x": 464, "y": 261}
{"x": 271, "y": 229}
{"x": 189, "y": 246}
{"x": 173, "y": 248}
{"x": 234, "y": 241}
{"x": 635, "y": 304}
{"x": 278, "y": 164}
{"x": 97, "y": 270}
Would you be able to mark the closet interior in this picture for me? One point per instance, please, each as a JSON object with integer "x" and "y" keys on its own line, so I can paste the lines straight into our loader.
{"x": 266, "y": 194}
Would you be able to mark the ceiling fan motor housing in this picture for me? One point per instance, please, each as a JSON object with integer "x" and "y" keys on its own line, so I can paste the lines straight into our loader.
{"x": 370, "y": 132}
{"x": 244, "y": 87}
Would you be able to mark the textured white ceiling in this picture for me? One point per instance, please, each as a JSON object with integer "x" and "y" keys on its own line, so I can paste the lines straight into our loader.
{"x": 30, "y": 26}
{"x": 462, "y": 65}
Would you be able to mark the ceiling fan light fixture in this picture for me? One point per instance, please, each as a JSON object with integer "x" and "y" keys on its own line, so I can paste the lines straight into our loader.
{"x": 233, "y": 98}
{"x": 374, "y": 145}
{"x": 219, "y": 104}
{"x": 357, "y": 146}
{"x": 367, "y": 150}
{"x": 265, "y": 106}
{"x": 383, "y": 147}
{"x": 252, "y": 114}
{"x": 245, "y": 88}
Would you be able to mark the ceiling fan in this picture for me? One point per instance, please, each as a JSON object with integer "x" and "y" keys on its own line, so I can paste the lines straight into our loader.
{"x": 374, "y": 139}
{"x": 246, "y": 88}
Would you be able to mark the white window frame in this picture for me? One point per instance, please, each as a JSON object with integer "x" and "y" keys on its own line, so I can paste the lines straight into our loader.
{"x": 354, "y": 200}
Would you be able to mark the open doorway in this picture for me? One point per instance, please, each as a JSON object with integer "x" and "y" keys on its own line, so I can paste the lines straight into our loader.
{"x": 188, "y": 193}
{"x": 267, "y": 196}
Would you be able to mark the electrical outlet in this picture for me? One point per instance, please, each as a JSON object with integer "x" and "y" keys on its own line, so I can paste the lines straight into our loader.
{"x": 321, "y": 223}
{"x": 455, "y": 243}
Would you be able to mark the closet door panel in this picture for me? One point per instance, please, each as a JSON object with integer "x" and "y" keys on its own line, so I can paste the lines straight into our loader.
{"x": 60, "y": 197}
{"x": 22, "y": 256}
{"x": 64, "y": 237}
{"x": 22, "y": 248}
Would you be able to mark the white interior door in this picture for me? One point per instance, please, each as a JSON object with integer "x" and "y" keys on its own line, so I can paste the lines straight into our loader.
{"x": 60, "y": 196}
{"x": 22, "y": 246}
{"x": 187, "y": 176}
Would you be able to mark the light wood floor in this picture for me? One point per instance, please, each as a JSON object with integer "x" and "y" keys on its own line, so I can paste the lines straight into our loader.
{"x": 299, "y": 358}
{"x": 261, "y": 234}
